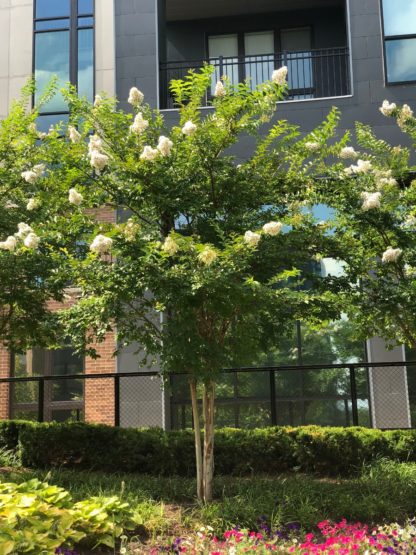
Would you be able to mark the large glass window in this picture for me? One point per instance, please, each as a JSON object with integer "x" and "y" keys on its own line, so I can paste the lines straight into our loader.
{"x": 399, "y": 20}
{"x": 64, "y": 48}
{"x": 63, "y": 398}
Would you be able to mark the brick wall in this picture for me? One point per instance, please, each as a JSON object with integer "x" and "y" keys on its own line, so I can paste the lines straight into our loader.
{"x": 99, "y": 393}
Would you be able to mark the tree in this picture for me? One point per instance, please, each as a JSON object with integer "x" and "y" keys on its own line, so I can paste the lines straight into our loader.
{"x": 373, "y": 193}
{"x": 29, "y": 275}
{"x": 211, "y": 259}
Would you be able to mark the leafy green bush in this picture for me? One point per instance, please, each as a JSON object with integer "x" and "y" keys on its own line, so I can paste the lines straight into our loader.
{"x": 153, "y": 451}
{"x": 37, "y": 518}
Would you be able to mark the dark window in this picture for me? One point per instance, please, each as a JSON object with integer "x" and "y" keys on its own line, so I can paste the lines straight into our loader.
{"x": 399, "y": 22}
{"x": 64, "y": 48}
{"x": 63, "y": 399}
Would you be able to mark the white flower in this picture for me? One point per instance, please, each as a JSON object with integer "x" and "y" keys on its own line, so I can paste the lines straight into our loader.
{"x": 74, "y": 136}
{"x": 219, "y": 89}
{"x": 207, "y": 256}
{"x": 410, "y": 221}
{"x": 272, "y": 228}
{"x": 95, "y": 144}
{"x": 74, "y": 197}
{"x": 164, "y": 146}
{"x": 170, "y": 246}
{"x": 136, "y": 97}
{"x": 97, "y": 100}
{"x": 139, "y": 124}
{"x": 9, "y": 244}
{"x": 363, "y": 166}
{"x": 405, "y": 113}
{"x": 189, "y": 128}
{"x": 251, "y": 238}
{"x": 390, "y": 181}
{"x": 370, "y": 200}
{"x": 279, "y": 75}
{"x": 29, "y": 176}
{"x": 149, "y": 153}
{"x": 24, "y": 230}
{"x": 312, "y": 146}
{"x": 391, "y": 255}
{"x": 31, "y": 241}
{"x": 98, "y": 161}
{"x": 347, "y": 152}
{"x": 101, "y": 244}
{"x": 32, "y": 204}
{"x": 387, "y": 109}
{"x": 131, "y": 229}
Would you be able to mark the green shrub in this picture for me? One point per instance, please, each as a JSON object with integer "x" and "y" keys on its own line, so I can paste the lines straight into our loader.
{"x": 153, "y": 451}
{"x": 37, "y": 518}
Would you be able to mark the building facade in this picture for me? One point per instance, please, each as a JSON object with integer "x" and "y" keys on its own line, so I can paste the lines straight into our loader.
{"x": 349, "y": 53}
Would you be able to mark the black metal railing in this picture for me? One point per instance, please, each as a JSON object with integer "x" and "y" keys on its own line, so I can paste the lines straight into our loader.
{"x": 311, "y": 74}
{"x": 381, "y": 395}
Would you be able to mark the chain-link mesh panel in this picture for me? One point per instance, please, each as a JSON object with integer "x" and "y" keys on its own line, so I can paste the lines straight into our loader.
{"x": 142, "y": 402}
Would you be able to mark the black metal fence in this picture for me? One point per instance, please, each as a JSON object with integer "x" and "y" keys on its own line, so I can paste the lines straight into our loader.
{"x": 381, "y": 395}
{"x": 311, "y": 74}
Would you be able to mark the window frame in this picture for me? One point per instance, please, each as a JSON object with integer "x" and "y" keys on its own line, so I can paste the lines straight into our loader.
{"x": 73, "y": 28}
{"x": 392, "y": 38}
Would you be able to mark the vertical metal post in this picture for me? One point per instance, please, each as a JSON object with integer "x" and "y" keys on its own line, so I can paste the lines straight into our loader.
{"x": 41, "y": 399}
{"x": 353, "y": 388}
{"x": 273, "y": 412}
{"x": 221, "y": 67}
{"x": 116, "y": 400}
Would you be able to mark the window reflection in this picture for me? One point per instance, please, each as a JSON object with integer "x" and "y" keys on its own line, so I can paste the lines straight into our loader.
{"x": 399, "y": 17}
{"x": 52, "y": 59}
{"x": 85, "y": 63}
{"x": 401, "y": 60}
{"x": 52, "y": 8}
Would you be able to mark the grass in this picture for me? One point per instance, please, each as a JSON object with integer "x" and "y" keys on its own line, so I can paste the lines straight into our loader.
{"x": 385, "y": 492}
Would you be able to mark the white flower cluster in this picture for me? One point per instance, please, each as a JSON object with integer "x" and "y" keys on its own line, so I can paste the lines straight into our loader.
{"x": 9, "y": 244}
{"x": 251, "y": 238}
{"x": 74, "y": 135}
{"x": 74, "y": 197}
{"x": 387, "y": 109}
{"x": 136, "y": 97}
{"x": 149, "y": 153}
{"x": 33, "y": 204}
{"x": 130, "y": 230}
{"x": 170, "y": 246}
{"x": 219, "y": 90}
{"x": 348, "y": 152}
{"x": 363, "y": 166}
{"x": 370, "y": 200}
{"x": 97, "y": 101}
{"x": 312, "y": 146}
{"x": 139, "y": 124}
{"x": 189, "y": 128}
{"x": 391, "y": 255}
{"x": 25, "y": 234}
{"x": 164, "y": 148}
{"x": 405, "y": 113}
{"x": 279, "y": 76}
{"x": 272, "y": 228}
{"x": 31, "y": 176}
{"x": 101, "y": 244}
{"x": 207, "y": 256}
{"x": 98, "y": 159}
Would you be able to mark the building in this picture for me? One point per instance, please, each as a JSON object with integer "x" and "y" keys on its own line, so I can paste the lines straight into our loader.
{"x": 348, "y": 53}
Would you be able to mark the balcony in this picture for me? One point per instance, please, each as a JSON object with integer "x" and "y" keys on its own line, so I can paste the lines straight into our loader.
{"x": 311, "y": 74}
{"x": 248, "y": 40}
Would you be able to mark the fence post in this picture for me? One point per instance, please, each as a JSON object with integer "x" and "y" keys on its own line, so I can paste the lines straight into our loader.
{"x": 273, "y": 412}
{"x": 116, "y": 400}
{"x": 353, "y": 388}
{"x": 221, "y": 68}
{"x": 41, "y": 399}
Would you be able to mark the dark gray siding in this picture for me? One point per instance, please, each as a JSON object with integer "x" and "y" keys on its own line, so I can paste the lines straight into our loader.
{"x": 136, "y": 55}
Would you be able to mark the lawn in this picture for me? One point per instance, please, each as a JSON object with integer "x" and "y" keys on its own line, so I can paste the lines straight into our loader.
{"x": 382, "y": 493}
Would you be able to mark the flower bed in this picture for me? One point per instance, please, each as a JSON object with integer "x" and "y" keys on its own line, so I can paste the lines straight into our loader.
{"x": 331, "y": 539}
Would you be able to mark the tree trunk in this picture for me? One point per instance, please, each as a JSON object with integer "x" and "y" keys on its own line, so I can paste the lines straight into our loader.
{"x": 198, "y": 443}
{"x": 208, "y": 468}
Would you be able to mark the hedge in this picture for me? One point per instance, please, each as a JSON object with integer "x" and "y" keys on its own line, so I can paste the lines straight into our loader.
{"x": 82, "y": 446}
